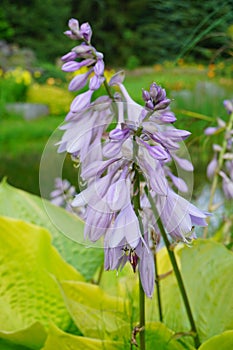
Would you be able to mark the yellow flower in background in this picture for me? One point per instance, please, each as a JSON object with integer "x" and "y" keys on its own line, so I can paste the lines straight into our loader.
{"x": 180, "y": 62}
{"x": 50, "y": 81}
{"x": 211, "y": 73}
{"x": 37, "y": 74}
{"x": 158, "y": 67}
{"x": 19, "y": 75}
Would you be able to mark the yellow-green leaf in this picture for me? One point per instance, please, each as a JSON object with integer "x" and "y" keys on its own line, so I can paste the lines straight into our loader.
{"x": 96, "y": 313}
{"x": 206, "y": 268}
{"x": 159, "y": 337}
{"x": 25, "y": 206}
{"x": 29, "y": 292}
{"x": 222, "y": 341}
{"x": 58, "y": 340}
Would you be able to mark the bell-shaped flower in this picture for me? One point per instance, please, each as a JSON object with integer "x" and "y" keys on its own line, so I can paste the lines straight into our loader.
{"x": 81, "y": 101}
{"x": 228, "y": 104}
{"x": 146, "y": 268}
{"x": 182, "y": 162}
{"x": 115, "y": 258}
{"x": 227, "y": 185}
{"x": 97, "y": 168}
{"x": 70, "y": 56}
{"x": 74, "y": 27}
{"x": 126, "y": 226}
{"x": 153, "y": 172}
{"x": 118, "y": 195}
{"x": 98, "y": 219}
{"x": 117, "y": 78}
{"x": 156, "y": 151}
{"x": 179, "y": 216}
{"x": 79, "y": 81}
{"x": 86, "y": 31}
{"x": 71, "y": 66}
{"x": 179, "y": 183}
{"x": 84, "y": 51}
{"x": 95, "y": 82}
{"x": 212, "y": 167}
{"x": 99, "y": 67}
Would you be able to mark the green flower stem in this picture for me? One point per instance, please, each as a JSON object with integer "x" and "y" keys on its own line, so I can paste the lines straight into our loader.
{"x": 142, "y": 316}
{"x": 176, "y": 270}
{"x": 216, "y": 174}
{"x": 157, "y": 282}
{"x": 108, "y": 90}
{"x": 136, "y": 205}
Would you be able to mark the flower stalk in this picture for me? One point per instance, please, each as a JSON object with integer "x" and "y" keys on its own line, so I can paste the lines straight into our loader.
{"x": 217, "y": 170}
{"x": 158, "y": 292}
{"x": 136, "y": 205}
{"x": 117, "y": 166}
{"x": 176, "y": 271}
{"x": 142, "y": 316}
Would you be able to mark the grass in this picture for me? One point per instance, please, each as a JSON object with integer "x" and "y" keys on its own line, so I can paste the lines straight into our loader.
{"x": 197, "y": 99}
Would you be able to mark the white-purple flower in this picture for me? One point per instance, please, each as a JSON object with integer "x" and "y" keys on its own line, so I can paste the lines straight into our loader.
{"x": 122, "y": 148}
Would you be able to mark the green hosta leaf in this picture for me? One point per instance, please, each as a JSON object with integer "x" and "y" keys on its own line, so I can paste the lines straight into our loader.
{"x": 5, "y": 345}
{"x": 63, "y": 341}
{"x": 96, "y": 313}
{"x": 29, "y": 294}
{"x": 159, "y": 337}
{"x": 32, "y": 336}
{"x": 22, "y": 205}
{"x": 222, "y": 341}
{"x": 207, "y": 272}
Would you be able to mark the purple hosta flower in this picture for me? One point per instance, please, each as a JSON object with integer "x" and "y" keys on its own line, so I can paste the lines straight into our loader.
{"x": 179, "y": 216}
{"x": 213, "y": 130}
{"x": 140, "y": 257}
{"x": 87, "y": 56}
{"x": 83, "y": 32}
{"x": 71, "y": 66}
{"x": 79, "y": 81}
{"x": 86, "y": 32}
{"x": 227, "y": 184}
{"x": 228, "y": 104}
{"x": 84, "y": 131}
{"x": 178, "y": 182}
{"x": 81, "y": 102}
{"x": 212, "y": 167}
{"x": 69, "y": 57}
{"x": 229, "y": 168}
{"x": 155, "y": 98}
{"x": 158, "y": 104}
{"x": 63, "y": 195}
{"x": 116, "y": 165}
{"x": 223, "y": 155}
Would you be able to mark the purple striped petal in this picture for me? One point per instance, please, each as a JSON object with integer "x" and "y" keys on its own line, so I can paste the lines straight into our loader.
{"x": 79, "y": 81}
{"x": 81, "y": 101}
{"x": 117, "y": 78}
{"x": 99, "y": 67}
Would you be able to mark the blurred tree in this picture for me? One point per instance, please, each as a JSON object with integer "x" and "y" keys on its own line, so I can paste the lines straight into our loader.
{"x": 37, "y": 24}
{"x": 129, "y": 32}
{"x": 173, "y": 29}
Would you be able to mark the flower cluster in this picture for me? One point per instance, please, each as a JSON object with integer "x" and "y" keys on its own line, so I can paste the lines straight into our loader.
{"x": 125, "y": 150}
{"x": 222, "y": 161}
{"x": 88, "y": 57}
{"x": 63, "y": 194}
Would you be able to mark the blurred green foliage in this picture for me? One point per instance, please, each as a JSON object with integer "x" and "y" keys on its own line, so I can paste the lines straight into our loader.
{"x": 150, "y": 30}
